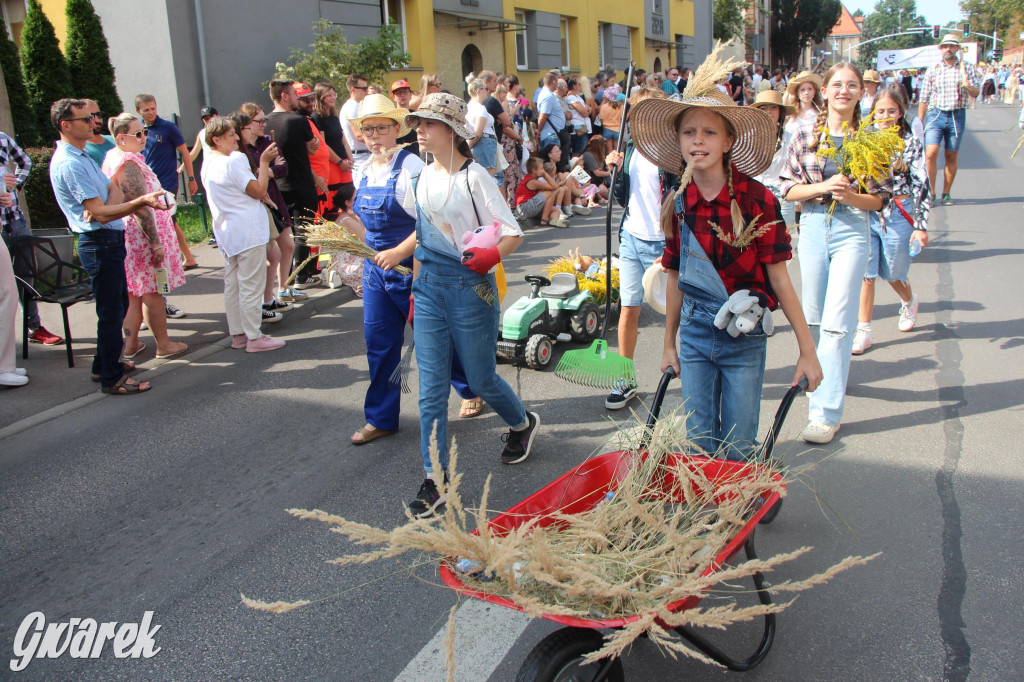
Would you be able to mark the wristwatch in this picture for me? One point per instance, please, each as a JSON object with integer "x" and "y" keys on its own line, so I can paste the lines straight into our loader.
{"x": 191, "y": 179}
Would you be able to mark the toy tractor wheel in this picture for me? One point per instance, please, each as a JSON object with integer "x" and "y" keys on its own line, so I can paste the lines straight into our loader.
{"x": 538, "y": 351}
{"x": 585, "y": 322}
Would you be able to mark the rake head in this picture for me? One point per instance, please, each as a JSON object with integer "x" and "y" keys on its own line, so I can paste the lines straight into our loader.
{"x": 399, "y": 379}
{"x": 596, "y": 367}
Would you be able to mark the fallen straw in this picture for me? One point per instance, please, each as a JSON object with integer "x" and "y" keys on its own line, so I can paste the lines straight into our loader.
{"x": 330, "y": 236}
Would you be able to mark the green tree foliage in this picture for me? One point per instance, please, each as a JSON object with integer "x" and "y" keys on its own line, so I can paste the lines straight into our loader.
{"x": 730, "y": 20}
{"x": 332, "y": 58}
{"x": 88, "y": 57}
{"x": 40, "y": 202}
{"x": 46, "y": 73}
{"x": 800, "y": 22}
{"x": 892, "y": 16}
{"x": 24, "y": 117}
{"x": 1004, "y": 16}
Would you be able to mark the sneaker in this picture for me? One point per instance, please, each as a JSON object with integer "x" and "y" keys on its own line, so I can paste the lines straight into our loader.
{"x": 263, "y": 343}
{"x": 291, "y": 295}
{"x": 518, "y": 443}
{"x": 239, "y": 341}
{"x": 517, "y": 213}
{"x": 567, "y": 211}
{"x": 861, "y": 340}
{"x": 174, "y": 311}
{"x": 908, "y": 314}
{"x": 272, "y": 316}
{"x": 428, "y": 499}
{"x": 307, "y": 282}
{"x": 947, "y": 200}
{"x": 581, "y": 210}
{"x": 277, "y": 306}
{"x": 618, "y": 398}
{"x": 212, "y": 242}
{"x": 41, "y": 335}
{"x": 819, "y": 432}
{"x": 933, "y": 200}
{"x": 13, "y": 379}
{"x": 560, "y": 221}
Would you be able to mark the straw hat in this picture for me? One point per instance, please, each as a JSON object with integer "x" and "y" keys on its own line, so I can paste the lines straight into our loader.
{"x": 441, "y": 106}
{"x": 803, "y": 77}
{"x": 773, "y": 98}
{"x": 950, "y": 39}
{"x": 654, "y": 124}
{"x": 379, "y": 106}
{"x": 872, "y": 76}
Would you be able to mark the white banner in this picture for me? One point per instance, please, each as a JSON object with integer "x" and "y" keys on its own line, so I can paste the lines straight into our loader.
{"x": 922, "y": 57}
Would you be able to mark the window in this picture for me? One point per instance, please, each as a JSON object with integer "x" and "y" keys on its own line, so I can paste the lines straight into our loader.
{"x": 602, "y": 46}
{"x": 396, "y": 15}
{"x": 564, "y": 25}
{"x": 521, "y": 60}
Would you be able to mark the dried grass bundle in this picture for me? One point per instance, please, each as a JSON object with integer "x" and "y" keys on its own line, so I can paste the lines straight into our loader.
{"x": 710, "y": 72}
{"x": 595, "y": 283}
{"x": 1017, "y": 148}
{"x": 747, "y": 235}
{"x": 330, "y": 236}
{"x": 647, "y": 546}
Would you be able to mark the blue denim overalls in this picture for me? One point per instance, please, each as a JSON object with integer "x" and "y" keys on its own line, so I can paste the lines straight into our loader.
{"x": 386, "y": 298}
{"x": 451, "y": 315}
{"x": 722, "y": 376}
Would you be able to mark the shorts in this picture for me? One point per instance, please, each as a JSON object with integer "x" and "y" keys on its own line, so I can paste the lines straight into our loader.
{"x": 944, "y": 127}
{"x": 609, "y": 134}
{"x": 485, "y": 152}
{"x": 889, "y": 256}
{"x": 532, "y": 207}
{"x": 635, "y": 257}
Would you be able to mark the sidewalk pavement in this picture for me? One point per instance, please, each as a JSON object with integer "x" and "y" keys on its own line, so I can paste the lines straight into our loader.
{"x": 56, "y": 389}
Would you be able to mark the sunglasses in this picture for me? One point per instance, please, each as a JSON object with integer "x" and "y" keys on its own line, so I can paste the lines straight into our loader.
{"x": 360, "y": 87}
{"x": 98, "y": 114}
{"x": 140, "y": 136}
{"x": 380, "y": 130}
{"x": 80, "y": 118}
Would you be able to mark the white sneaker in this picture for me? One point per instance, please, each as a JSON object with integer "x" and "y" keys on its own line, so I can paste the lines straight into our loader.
{"x": 560, "y": 221}
{"x": 582, "y": 210}
{"x": 908, "y": 314}
{"x": 861, "y": 340}
{"x": 13, "y": 379}
{"x": 819, "y": 432}
{"x": 567, "y": 211}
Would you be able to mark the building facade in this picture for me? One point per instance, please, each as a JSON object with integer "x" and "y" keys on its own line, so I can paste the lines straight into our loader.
{"x": 841, "y": 44}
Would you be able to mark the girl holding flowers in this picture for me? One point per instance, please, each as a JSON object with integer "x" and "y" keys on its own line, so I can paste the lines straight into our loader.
{"x": 727, "y": 249}
{"x": 833, "y": 239}
{"x": 902, "y": 221}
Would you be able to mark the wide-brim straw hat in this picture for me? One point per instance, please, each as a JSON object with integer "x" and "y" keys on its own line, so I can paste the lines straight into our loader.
{"x": 803, "y": 77}
{"x": 950, "y": 39}
{"x": 872, "y": 76}
{"x": 654, "y": 125}
{"x": 441, "y": 106}
{"x": 380, "y": 106}
{"x": 773, "y": 98}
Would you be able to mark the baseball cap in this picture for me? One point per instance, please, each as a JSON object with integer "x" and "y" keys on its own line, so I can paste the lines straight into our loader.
{"x": 303, "y": 90}
{"x": 399, "y": 84}
{"x": 208, "y": 111}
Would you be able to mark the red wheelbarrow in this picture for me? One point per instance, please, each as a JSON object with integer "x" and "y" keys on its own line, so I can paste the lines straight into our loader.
{"x": 559, "y": 656}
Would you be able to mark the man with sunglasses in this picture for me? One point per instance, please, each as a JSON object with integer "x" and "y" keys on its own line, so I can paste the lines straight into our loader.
{"x": 99, "y": 144}
{"x": 357, "y": 87}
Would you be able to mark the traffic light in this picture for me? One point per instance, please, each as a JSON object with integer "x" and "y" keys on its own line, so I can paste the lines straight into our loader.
{"x": 935, "y": 31}
{"x": 967, "y": 30}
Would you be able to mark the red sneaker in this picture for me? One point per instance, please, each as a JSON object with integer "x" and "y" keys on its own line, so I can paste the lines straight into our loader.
{"x": 40, "y": 335}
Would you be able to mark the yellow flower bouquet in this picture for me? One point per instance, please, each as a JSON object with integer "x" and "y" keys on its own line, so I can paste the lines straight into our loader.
{"x": 866, "y": 155}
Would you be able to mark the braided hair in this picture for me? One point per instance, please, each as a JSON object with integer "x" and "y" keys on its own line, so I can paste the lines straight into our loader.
{"x": 820, "y": 122}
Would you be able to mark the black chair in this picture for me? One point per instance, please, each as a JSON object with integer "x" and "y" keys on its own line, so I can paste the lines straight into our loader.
{"x": 53, "y": 280}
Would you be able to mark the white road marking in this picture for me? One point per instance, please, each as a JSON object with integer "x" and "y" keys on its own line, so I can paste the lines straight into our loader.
{"x": 484, "y": 633}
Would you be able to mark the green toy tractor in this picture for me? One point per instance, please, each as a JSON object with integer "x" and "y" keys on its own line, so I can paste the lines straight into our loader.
{"x": 555, "y": 310}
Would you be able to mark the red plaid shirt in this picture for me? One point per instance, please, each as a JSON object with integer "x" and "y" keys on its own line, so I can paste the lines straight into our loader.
{"x": 739, "y": 268}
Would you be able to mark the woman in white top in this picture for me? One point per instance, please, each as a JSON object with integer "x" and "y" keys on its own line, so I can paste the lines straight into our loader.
{"x": 484, "y": 144}
{"x": 241, "y": 224}
{"x": 804, "y": 91}
{"x": 770, "y": 102}
{"x": 580, "y": 124}
{"x": 456, "y": 299}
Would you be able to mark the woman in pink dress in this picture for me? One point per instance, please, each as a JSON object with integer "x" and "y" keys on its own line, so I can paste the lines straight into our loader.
{"x": 149, "y": 240}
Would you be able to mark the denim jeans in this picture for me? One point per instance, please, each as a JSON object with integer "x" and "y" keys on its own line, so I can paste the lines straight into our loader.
{"x": 452, "y": 314}
{"x": 635, "y": 257}
{"x": 722, "y": 378}
{"x": 18, "y": 229}
{"x": 945, "y": 127}
{"x": 889, "y": 256}
{"x": 833, "y": 258}
{"x": 102, "y": 253}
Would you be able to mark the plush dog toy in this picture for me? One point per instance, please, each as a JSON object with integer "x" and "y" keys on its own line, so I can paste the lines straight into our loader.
{"x": 480, "y": 248}
{"x": 739, "y": 315}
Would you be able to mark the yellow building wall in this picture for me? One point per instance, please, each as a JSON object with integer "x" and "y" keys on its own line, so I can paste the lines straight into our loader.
{"x": 54, "y": 11}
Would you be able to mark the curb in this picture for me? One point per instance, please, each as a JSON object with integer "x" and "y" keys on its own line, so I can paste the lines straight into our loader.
{"x": 330, "y": 298}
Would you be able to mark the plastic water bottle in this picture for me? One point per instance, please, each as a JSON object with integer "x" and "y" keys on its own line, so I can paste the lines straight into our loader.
{"x": 915, "y": 247}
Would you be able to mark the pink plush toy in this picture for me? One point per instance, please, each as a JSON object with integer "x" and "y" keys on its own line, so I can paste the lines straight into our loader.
{"x": 481, "y": 252}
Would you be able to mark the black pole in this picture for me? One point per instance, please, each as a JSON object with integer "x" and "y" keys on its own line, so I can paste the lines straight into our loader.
{"x": 611, "y": 203}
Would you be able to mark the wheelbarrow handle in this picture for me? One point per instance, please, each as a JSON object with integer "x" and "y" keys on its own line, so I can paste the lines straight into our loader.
{"x": 780, "y": 417}
{"x": 659, "y": 397}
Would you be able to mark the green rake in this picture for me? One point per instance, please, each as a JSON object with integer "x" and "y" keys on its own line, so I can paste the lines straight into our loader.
{"x": 597, "y": 366}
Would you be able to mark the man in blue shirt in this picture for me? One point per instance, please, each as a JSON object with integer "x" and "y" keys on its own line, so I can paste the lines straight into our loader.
{"x": 94, "y": 208}
{"x": 550, "y": 116}
{"x": 163, "y": 145}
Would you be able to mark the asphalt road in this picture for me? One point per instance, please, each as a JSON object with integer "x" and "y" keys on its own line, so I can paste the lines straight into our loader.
{"x": 173, "y": 502}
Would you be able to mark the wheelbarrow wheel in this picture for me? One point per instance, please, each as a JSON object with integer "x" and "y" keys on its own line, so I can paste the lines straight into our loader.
{"x": 772, "y": 513}
{"x": 559, "y": 658}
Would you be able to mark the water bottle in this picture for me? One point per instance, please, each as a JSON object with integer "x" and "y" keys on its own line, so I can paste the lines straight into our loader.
{"x": 915, "y": 247}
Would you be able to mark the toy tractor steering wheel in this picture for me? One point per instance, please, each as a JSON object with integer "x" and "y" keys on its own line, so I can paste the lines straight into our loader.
{"x": 537, "y": 282}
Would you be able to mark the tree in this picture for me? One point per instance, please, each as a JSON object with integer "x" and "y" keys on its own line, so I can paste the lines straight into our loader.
{"x": 892, "y": 16}
{"x": 799, "y": 22}
{"x": 88, "y": 57}
{"x": 25, "y": 132}
{"x": 730, "y": 19}
{"x": 46, "y": 73}
{"x": 332, "y": 58}
{"x": 987, "y": 16}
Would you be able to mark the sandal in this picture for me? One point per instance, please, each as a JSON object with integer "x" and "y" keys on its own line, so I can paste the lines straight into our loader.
{"x": 368, "y": 434}
{"x": 127, "y": 366}
{"x": 122, "y": 387}
{"x": 471, "y": 407}
{"x": 172, "y": 355}
{"x": 142, "y": 347}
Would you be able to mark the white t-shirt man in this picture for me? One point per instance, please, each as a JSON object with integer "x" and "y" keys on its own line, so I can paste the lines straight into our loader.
{"x": 350, "y": 109}
{"x": 643, "y": 210}
{"x": 240, "y": 222}
{"x": 379, "y": 178}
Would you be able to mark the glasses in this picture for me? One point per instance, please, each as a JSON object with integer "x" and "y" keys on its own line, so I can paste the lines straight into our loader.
{"x": 140, "y": 135}
{"x": 360, "y": 87}
{"x": 380, "y": 130}
{"x": 80, "y": 118}
{"x": 98, "y": 114}
{"x": 259, "y": 121}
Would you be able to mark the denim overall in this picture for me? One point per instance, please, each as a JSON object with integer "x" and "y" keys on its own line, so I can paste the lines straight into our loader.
{"x": 386, "y": 299}
{"x": 722, "y": 376}
{"x": 452, "y": 316}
